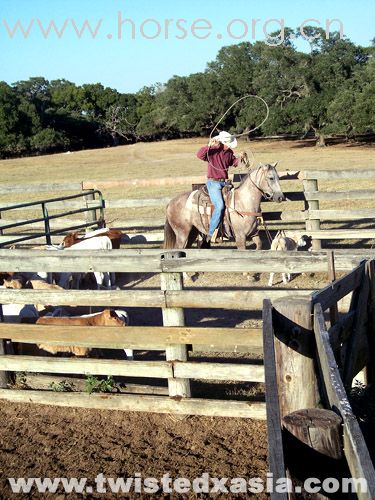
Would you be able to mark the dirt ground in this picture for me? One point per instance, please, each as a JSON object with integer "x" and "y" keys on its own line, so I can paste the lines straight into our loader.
{"x": 42, "y": 441}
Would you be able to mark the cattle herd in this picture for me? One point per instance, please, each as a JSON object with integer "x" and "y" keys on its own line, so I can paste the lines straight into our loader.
{"x": 102, "y": 239}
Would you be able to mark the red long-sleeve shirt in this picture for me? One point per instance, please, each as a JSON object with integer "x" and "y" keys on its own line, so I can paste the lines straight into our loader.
{"x": 219, "y": 160}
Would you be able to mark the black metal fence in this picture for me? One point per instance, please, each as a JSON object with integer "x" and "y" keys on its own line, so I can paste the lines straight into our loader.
{"x": 94, "y": 209}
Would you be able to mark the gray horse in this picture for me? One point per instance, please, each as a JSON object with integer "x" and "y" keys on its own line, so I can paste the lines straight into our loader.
{"x": 184, "y": 222}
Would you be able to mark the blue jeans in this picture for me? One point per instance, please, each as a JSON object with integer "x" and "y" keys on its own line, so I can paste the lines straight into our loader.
{"x": 214, "y": 190}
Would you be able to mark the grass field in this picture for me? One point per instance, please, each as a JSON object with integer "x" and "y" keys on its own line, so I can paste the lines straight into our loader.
{"x": 174, "y": 158}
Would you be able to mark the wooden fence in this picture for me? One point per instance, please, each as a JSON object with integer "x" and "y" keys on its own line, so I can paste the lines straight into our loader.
{"x": 309, "y": 370}
{"x": 308, "y": 367}
{"x": 173, "y": 337}
{"x": 311, "y": 219}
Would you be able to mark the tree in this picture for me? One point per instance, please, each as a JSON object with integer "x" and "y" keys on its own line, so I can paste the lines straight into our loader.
{"x": 49, "y": 140}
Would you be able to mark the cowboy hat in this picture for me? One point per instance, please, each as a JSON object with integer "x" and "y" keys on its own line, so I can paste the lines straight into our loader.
{"x": 227, "y": 139}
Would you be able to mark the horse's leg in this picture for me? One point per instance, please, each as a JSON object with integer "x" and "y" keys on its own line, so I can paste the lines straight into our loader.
{"x": 258, "y": 244}
{"x": 182, "y": 239}
{"x": 192, "y": 237}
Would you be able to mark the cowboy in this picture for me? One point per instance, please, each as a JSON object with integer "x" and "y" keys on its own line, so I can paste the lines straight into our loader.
{"x": 219, "y": 155}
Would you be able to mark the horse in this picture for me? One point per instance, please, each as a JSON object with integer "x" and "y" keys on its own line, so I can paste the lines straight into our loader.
{"x": 184, "y": 223}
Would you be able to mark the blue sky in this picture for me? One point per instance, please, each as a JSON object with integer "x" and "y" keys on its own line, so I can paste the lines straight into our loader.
{"x": 115, "y": 59}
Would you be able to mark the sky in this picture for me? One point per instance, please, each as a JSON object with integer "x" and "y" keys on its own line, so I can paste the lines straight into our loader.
{"x": 134, "y": 43}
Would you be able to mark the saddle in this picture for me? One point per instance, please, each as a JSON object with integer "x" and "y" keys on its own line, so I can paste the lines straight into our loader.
{"x": 206, "y": 207}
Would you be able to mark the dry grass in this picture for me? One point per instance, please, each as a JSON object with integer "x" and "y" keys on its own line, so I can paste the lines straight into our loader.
{"x": 178, "y": 158}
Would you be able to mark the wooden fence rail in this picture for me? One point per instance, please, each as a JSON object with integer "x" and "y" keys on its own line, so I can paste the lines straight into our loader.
{"x": 129, "y": 261}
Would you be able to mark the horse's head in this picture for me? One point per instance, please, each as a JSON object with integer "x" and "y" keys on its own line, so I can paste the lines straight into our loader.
{"x": 269, "y": 182}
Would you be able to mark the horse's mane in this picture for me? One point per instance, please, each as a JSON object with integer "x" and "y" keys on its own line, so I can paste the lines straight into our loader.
{"x": 245, "y": 177}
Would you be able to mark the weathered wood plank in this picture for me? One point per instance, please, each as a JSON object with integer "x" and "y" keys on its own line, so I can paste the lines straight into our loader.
{"x": 256, "y": 349}
{"x": 153, "y": 369}
{"x": 134, "y": 261}
{"x": 195, "y": 299}
{"x": 115, "y": 367}
{"x": 293, "y": 262}
{"x": 334, "y": 292}
{"x": 153, "y": 404}
{"x": 137, "y": 337}
{"x": 359, "y": 194}
{"x": 77, "y": 260}
{"x": 275, "y": 442}
{"x": 338, "y": 215}
{"x": 355, "y": 448}
{"x": 219, "y": 371}
{"x": 358, "y": 173}
{"x": 340, "y": 234}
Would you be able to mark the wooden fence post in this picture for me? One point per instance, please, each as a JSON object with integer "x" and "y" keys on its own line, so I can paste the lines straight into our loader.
{"x": 91, "y": 214}
{"x": 295, "y": 354}
{"x": 4, "y": 376}
{"x": 309, "y": 186}
{"x": 174, "y": 316}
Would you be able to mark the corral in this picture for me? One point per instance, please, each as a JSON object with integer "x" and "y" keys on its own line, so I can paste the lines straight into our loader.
{"x": 175, "y": 337}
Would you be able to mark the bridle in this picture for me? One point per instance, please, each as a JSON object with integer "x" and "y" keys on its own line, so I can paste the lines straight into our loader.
{"x": 264, "y": 194}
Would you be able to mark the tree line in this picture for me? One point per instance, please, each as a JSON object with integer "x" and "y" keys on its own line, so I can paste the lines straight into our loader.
{"x": 329, "y": 90}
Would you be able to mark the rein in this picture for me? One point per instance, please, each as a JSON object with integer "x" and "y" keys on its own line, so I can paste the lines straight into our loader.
{"x": 258, "y": 215}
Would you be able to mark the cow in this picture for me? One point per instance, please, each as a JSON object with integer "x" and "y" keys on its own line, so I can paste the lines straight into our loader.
{"x": 18, "y": 313}
{"x": 103, "y": 280}
{"x": 108, "y": 317}
{"x": 113, "y": 234}
{"x": 284, "y": 243}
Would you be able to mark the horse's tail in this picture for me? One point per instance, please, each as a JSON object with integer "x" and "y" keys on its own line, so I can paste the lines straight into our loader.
{"x": 169, "y": 236}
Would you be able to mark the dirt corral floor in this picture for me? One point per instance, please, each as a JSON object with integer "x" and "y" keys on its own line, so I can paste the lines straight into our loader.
{"x": 42, "y": 441}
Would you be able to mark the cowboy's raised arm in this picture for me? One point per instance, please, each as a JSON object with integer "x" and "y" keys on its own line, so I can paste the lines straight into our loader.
{"x": 203, "y": 152}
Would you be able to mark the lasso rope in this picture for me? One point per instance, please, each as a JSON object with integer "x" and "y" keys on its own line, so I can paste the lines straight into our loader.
{"x": 232, "y": 106}
{"x": 250, "y": 164}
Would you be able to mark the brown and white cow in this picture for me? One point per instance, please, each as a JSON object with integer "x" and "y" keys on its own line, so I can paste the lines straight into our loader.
{"x": 107, "y": 318}
{"x": 113, "y": 234}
